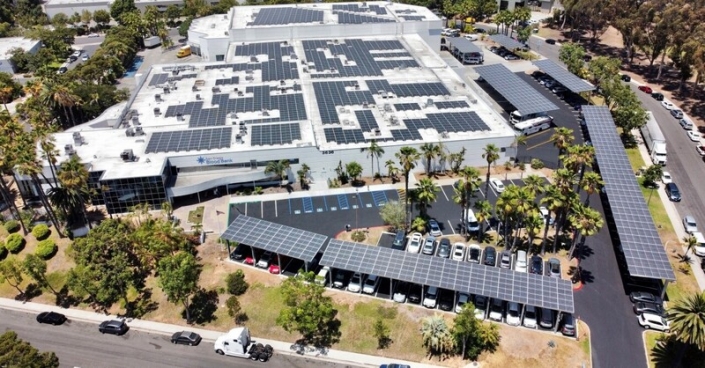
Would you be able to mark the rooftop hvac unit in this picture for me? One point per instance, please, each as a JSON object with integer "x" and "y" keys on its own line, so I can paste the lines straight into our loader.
{"x": 198, "y": 97}
{"x": 139, "y": 131}
{"x": 249, "y": 71}
{"x": 282, "y": 82}
{"x": 194, "y": 89}
{"x": 429, "y": 102}
{"x": 265, "y": 113}
{"x": 378, "y": 132}
{"x": 130, "y": 132}
{"x": 394, "y": 120}
{"x": 157, "y": 112}
{"x": 68, "y": 150}
{"x": 215, "y": 89}
{"x": 127, "y": 155}
{"x": 357, "y": 86}
{"x": 347, "y": 122}
{"x": 249, "y": 78}
{"x": 179, "y": 116}
{"x": 238, "y": 138}
{"x": 136, "y": 120}
{"x": 305, "y": 70}
{"x": 158, "y": 97}
{"x": 387, "y": 107}
{"x": 212, "y": 25}
{"x": 253, "y": 58}
{"x": 293, "y": 56}
{"x": 364, "y": 105}
{"x": 444, "y": 134}
{"x": 77, "y": 139}
{"x": 240, "y": 93}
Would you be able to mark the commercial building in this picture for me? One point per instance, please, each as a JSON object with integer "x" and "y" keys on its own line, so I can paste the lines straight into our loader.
{"x": 284, "y": 90}
{"x": 69, "y": 7}
{"x": 8, "y": 44}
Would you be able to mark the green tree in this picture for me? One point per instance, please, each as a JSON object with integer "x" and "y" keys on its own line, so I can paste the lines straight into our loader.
{"x": 687, "y": 317}
{"x": 425, "y": 193}
{"x": 393, "y": 214}
{"x": 523, "y": 34}
{"x": 178, "y": 278}
{"x": 11, "y": 272}
{"x": 236, "y": 283}
{"x": 562, "y": 138}
{"x": 591, "y": 184}
{"x": 586, "y": 222}
{"x": 172, "y": 13}
{"x": 9, "y": 89}
{"x": 86, "y": 18}
{"x": 278, "y": 168}
{"x": 102, "y": 17}
{"x": 36, "y": 268}
{"x": 437, "y": 337}
{"x": 491, "y": 155}
{"x": 354, "y": 169}
{"x": 381, "y": 333}
{"x": 602, "y": 69}
{"x": 14, "y": 352}
{"x": 234, "y": 308}
{"x": 183, "y": 28}
{"x": 120, "y": 7}
{"x": 373, "y": 151}
{"x": 652, "y": 175}
{"x": 472, "y": 336}
{"x": 429, "y": 151}
{"x": 483, "y": 213}
{"x": 59, "y": 19}
{"x": 573, "y": 56}
{"x": 407, "y": 157}
{"x": 309, "y": 312}
{"x": 392, "y": 170}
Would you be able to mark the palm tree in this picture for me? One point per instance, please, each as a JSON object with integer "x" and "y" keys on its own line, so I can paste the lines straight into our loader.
{"x": 425, "y": 194}
{"x": 689, "y": 241}
{"x": 523, "y": 202}
{"x": 554, "y": 201}
{"x": 491, "y": 155}
{"x": 470, "y": 183}
{"x": 373, "y": 151}
{"x": 278, "y": 169}
{"x": 436, "y": 336}
{"x": 505, "y": 208}
{"x": 586, "y": 221}
{"x": 533, "y": 222}
{"x": 534, "y": 184}
{"x": 407, "y": 157}
{"x": 577, "y": 158}
{"x": 562, "y": 138}
{"x": 483, "y": 213}
{"x": 591, "y": 183}
{"x": 49, "y": 153}
{"x": 10, "y": 130}
{"x": 460, "y": 197}
{"x": 73, "y": 176}
{"x": 392, "y": 170}
{"x": 429, "y": 151}
{"x": 687, "y": 317}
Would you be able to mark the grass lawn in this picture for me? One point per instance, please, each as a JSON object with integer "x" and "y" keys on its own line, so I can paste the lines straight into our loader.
{"x": 650, "y": 341}
{"x": 196, "y": 216}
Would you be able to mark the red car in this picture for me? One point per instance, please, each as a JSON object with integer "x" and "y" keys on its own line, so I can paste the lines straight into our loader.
{"x": 645, "y": 89}
{"x": 274, "y": 269}
{"x": 249, "y": 260}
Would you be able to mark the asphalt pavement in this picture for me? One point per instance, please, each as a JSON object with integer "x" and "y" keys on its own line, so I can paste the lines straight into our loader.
{"x": 79, "y": 344}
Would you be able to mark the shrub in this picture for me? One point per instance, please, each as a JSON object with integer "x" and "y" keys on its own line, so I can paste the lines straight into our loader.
{"x": 45, "y": 249}
{"x": 12, "y": 226}
{"x": 14, "y": 243}
{"x": 236, "y": 283}
{"x": 3, "y": 251}
{"x": 40, "y": 231}
{"x": 358, "y": 236}
{"x": 537, "y": 164}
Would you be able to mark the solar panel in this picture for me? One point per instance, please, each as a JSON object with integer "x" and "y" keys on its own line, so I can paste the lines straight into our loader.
{"x": 350, "y": 18}
{"x": 413, "y": 17}
{"x": 451, "y": 104}
{"x": 340, "y": 136}
{"x": 407, "y": 106}
{"x": 406, "y": 135}
{"x": 367, "y": 120}
{"x": 408, "y": 89}
{"x": 287, "y": 15}
{"x": 466, "y": 121}
{"x": 644, "y": 253}
{"x": 273, "y": 134}
{"x": 279, "y": 239}
{"x": 508, "y": 42}
{"x": 494, "y": 282}
{"x": 353, "y": 57}
{"x": 189, "y": 140}
{"x": 525, "y": 98}
{"x": 273, "y": 68}
{"x": 564, "y": 77}
{"x": 330, "y": 95}
{"x": 463, "y": 45}
{"x": 227, "y": 81}
{"x": 158, "y": 79}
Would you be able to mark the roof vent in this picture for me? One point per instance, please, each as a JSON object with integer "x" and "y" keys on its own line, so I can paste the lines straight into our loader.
{"x": 130, "y": 132}
{"x": 215, "y": 89}
{"x": 127, "y": 155}
{"x": 282, "y": 82}
{"x": 158, "y": 98}
{"x": 377, "y": 132}
{"x": 285, "y": 43}
{"x": 147, "y": 160}
{"x": 265, "y": 113}
{"x": 429, "y": 102}
{"x": 212, "y": 25}
{"x": 139, "y": 130}
{"x": 77, "y": 139}
{"x": 444, "y": 134}
{"x": 157, "y": 112}
{"x": 68, "y": 149}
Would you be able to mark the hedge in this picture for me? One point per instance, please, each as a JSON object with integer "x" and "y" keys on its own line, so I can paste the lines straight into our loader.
{"x": 12, "y": 226}
{"x": 46, "y": 249}
{"x": 40, "y": 231}
{"x": 14, "y": 243}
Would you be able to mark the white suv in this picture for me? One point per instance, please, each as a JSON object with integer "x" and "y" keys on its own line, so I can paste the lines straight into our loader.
{"x": 414, "y": 245}
{"x": 497, "y": 310}
{"x": 431, "y": 298}
{"x": 473, "y": 225}
{"x": 370, "y": 284}
{"x": 653, "y": 321}
{"x": 355, "y": 281}
{"x": 513, "y": 314}
{"x": 530, "y": 316}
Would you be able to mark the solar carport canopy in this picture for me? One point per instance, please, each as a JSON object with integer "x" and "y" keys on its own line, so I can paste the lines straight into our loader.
{"x": 564, "y": 77}
{"x": 280, "y": 239}
{"x": 464, "y": 46}
{"x": 508, "y": 42}
{"x": 525, "y": 98}
{"x": 470, "y": 278}
{"x": 645, "y": 255}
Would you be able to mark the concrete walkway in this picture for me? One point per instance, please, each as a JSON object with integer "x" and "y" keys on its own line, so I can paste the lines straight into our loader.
{"x": 280, "y": 347}
{"x": 674, "y": 216}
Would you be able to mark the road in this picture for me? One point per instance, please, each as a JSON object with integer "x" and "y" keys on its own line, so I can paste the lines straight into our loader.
{"x": 79, "y": 344}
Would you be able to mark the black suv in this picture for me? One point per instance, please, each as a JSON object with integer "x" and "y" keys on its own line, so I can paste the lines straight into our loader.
{"x": 489, "y": 257}
{"x": 444, "y": 248}
{"x": 399, "y": 240}
{"x": 51, "y": 318}
{"x": 445, "y": 300}
{"x": 114, "y": 327}
{"x": 536, "y": 265}
{"x": 414, "y": 294}
{"x": 673, "y": 193}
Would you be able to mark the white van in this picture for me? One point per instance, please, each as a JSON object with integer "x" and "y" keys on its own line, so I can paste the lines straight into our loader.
{"x": 516, "y": 117}
{"x": 699, "y": 248}
{"x": 431, "y": 298}
{"x": 473, "y": 224}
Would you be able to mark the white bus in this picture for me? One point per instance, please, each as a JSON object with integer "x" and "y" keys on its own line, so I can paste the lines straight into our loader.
{"x": 515, "y": 117}
{"x": 531, "y": 127}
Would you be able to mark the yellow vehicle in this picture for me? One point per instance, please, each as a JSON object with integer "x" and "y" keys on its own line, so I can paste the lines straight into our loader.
{"x": 469, "y": 20}
{"x": 184, "y": 51}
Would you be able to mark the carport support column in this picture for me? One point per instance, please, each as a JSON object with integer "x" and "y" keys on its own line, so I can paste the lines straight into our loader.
{"x": 330, "y": 277}
{"x": 227, "y": 243}
{"x": 279, "y": 262}
{"x": 663, "y": 291}
{"x": 391, "y": 289}
{"x": 254, "y": 260}
{"x": 558, "y": 321}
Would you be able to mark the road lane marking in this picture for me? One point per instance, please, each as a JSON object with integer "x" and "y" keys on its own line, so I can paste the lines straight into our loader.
{"x": 539, "y": 145}
{"x": 451, "y": 227}
{"x": 444, "y": 194}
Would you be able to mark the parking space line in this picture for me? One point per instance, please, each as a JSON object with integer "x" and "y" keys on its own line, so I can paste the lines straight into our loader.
{"x": 261, "y": 208}
{"x": 246, "y": 208}
{"x": 325, "y": 203}
{"x": 539, "y": 144}
{"x": 451, "y": 227}
{"x": 276, "y": 209}
{"x": 445, "y": 195}
{"x": 481, "y": 192}
{"x": 290, "y": 206}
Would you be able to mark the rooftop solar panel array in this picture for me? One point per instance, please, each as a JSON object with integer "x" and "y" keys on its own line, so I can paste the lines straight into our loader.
{"x": 352, "y": 18}
{"x": 645, "y": 254}
{"x": 564, "y": 77}
{"x": 332, "y": 94}
{"x": 407, "y": 106}
{"x": 406, "y": 135}
{"x": 494, "y": 282}
{"x": 525, "y": 98}
{"x": 412, "y": 17}
{"x": 273, "y": 134}
{"x": 227, "y": 81}
{"x": 189, "y": 140}
{"x": 506, "y": 41}
{"x": 451, "y": 104}
{"x": 355, "y": 8}
{"x": 287, "y": 15}
{"x": 367, "y": 120}
{"x": 162, "y": 78}
{"x": 466, "y": 121}
{"x": 273, "y": 68}
{"x": 279, "y": 239}
{"x": 408, "y": 89}
{"x": 340, "y": 136}
{"x": 358, "y": 53}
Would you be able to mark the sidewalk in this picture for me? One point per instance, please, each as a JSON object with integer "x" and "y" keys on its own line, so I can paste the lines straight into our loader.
{"x": 674, "y": 216}
{"x": 209, "y": 336}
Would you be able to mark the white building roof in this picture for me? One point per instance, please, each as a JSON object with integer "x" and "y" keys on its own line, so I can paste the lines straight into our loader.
{"x": 9, "y": 43}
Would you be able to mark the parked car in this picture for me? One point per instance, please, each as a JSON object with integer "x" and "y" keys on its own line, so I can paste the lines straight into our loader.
{"x": 520, "y": 261}
{"x": 113, "y": 327}
{"x": 546, "y": 320}
{"x": 462, "y": 300}
{"x": 445, "y": 300}
{"x": 587, "y": 58}
{"x": 537, "y": 74}
{"x": 550, "y": 41}
{"x": 642, "y": 296}
{"x": 497, "y": 310}
{"x": 414, "y": 245}
{"x": 399, "y": 240}
{"x": 355, "y": 284}
{"x": 371, "y": 283}
{"x": 653, "y": 322}
{"x": 666, "y": 177}
{"x": 415, "y": 292}
{"x": 568, "y": 324}
{"x": 510, "y": 56}
{"x": 658, "y": 96}
{"x": 433, "y": 228}
{"x": 668, "y": 105}
{"x": 444, "y": 248}
{"x": 653, "y": 308}
{"x": 676, "y": 113}
{"x": 400, "y": 291}
{"x": 686, "y": 123}
{"x": 700, "y": 149}
{"x": 505, "y": 260}
{"x": 238, "y": 253}
{"x": 546, "y": 215}
{"x": 625, "y": 78}
{"x": 62, "y": 70}
{"x": 693, "y": 136}
{"x": 645, "y": 89}
{"x": 322, "y": 276}
{"x": 536, "y": 265}
{"x": 472, "y": 37}
{"x": 497, "y": 185}
{"x": 530, "y": 316}
{"x": 559, "y": 89}
{"x": 489, "y": 257}
{"x": 550, "y": 83}
{"x": 186, "y": 338}
{"x": 93, "y": 35}
{"x": 339, "y": 279}
{"x": 689, "y": 224}
{"x": 474, "y": 253}
{"x": 673, "y": 193}
{"x": 554, "y": 268}
{"x": 85, "y": 57}
{"x": 51, "y": 318}
{"x": 429, "y": 246}
{"x": 513, "y": 317}
{"x": 480, "y": 307}
{"x": 430, "y": 299}
{"x": 264, "y": 260}
{"x": 473, "y": 224}
{"x": 458, "y": 251}
{"x": 394, "y": 365}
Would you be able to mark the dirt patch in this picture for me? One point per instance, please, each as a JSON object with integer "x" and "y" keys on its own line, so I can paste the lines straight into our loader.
{"x": 372, "y": 234}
